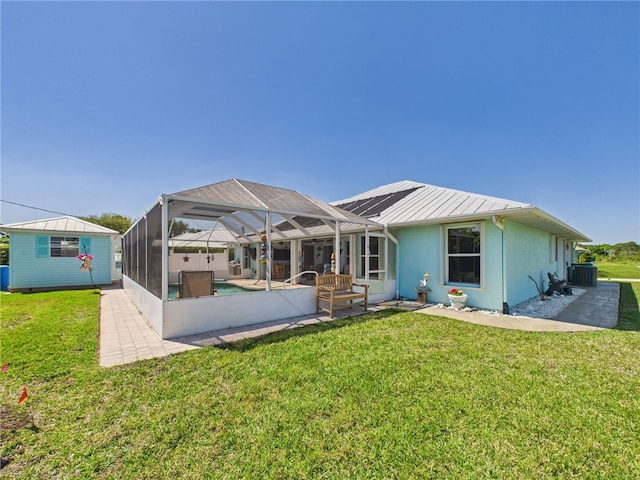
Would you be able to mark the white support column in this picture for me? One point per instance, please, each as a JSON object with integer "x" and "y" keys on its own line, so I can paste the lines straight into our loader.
{"x": 165, "y": 247}
{"x": 146, "y": 251}
{"x": 294, "y": 259}
{"x": 268, "y": 252}
{"x": 366, "y": 254}
{"x": 397, "y": 247}
{"x": 336, "y": 249}
{"x": 353, "y": 255}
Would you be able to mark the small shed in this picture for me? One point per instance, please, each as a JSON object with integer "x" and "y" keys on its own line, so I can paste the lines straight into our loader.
{"x": 46, "y": 254}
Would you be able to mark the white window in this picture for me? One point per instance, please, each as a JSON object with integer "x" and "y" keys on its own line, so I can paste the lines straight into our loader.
{"x": 464, "y": 254}
{"x": 65, "y": 246}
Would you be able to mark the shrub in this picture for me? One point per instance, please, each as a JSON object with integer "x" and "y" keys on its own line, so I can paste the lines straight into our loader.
{"x": 586, "y": 257}
{"x": 4, "y": 252}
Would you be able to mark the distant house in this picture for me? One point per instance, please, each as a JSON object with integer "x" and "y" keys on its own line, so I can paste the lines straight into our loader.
{"x": 486, "y": 246}
{"x": 280, "y": 240}
{"x": 43, "y": 254}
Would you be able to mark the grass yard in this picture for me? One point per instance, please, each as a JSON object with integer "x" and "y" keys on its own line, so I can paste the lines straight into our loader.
{"x": 387, "y": 395}
{"x": 618, "y": 270}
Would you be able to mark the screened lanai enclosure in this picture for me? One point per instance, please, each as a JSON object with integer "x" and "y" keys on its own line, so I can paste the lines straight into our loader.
{"x": 251, "y": 255}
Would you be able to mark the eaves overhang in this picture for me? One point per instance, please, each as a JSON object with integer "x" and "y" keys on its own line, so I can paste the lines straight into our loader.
{"x": 530, "y": 216}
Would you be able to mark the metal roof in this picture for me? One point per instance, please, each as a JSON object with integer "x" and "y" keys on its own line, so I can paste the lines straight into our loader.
{"x": 230, "y": 196}
{"x": 412, "y": 203}
{"x": 242, "y": 208}
{"x": 65, "y": 224}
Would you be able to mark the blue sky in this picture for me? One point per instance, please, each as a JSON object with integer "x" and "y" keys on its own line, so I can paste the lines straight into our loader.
{"x": 107, "y": 105}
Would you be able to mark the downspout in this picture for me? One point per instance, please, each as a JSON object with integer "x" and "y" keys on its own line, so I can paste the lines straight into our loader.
{"x": 505, "y": 305}
{"x": 394, "y": 240}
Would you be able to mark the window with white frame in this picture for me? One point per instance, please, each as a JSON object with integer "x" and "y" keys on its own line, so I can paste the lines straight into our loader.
{"x": 464, "y": 254}
{"x": 65, "y": 246}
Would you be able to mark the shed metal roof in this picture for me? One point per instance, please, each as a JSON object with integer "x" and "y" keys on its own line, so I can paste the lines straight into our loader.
{"x": 65, "y": 224}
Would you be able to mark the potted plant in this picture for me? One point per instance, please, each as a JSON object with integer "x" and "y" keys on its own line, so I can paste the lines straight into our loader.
{"x": 457, "y": 298}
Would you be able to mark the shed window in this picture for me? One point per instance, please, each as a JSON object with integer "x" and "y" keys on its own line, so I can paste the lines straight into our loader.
{"x": 65, "y": 246}
{"x": 464, "y": 254}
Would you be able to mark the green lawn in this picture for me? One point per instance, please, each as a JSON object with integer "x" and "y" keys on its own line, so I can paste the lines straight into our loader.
{"x": 618, "y": 270}
{"x": 387, "y": 395}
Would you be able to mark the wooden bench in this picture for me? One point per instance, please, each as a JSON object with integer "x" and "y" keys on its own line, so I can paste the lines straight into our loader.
{"x": 337, "y": 291}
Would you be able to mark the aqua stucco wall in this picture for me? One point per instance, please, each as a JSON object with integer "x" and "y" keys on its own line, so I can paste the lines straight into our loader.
{"x": 26, "y": 270}
{"x": 493, "y": 295}
{"x": 527, "y": 251}
{"x": 418, "y": 253}
{"x": 422, "y": 249}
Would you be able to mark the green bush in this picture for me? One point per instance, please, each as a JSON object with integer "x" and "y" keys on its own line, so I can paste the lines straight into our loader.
{"x": 4, "y": 251}
{"x": 586, "y": 257}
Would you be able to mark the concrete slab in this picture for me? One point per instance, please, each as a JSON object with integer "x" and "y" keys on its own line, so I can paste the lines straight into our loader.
{"x": 595, "y": 309}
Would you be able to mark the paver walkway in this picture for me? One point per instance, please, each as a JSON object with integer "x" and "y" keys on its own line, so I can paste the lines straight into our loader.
{"x": 125, "y": 336}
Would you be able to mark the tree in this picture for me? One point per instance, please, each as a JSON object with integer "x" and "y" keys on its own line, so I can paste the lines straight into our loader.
{"x": 628, "y": 252}
{"x": 116, "y": 222}
{"x": 179, "y": 227}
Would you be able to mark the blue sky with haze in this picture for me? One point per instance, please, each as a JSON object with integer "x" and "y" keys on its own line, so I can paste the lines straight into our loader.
{"x": 107, "y": 105}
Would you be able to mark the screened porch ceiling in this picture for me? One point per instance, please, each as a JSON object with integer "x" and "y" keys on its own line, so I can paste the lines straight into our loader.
{"x": 246, "y": 208}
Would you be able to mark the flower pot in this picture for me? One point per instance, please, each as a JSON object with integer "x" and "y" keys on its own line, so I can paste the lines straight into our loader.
{"x": 422, "y": 294}
{"x": 458, "y": 301}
